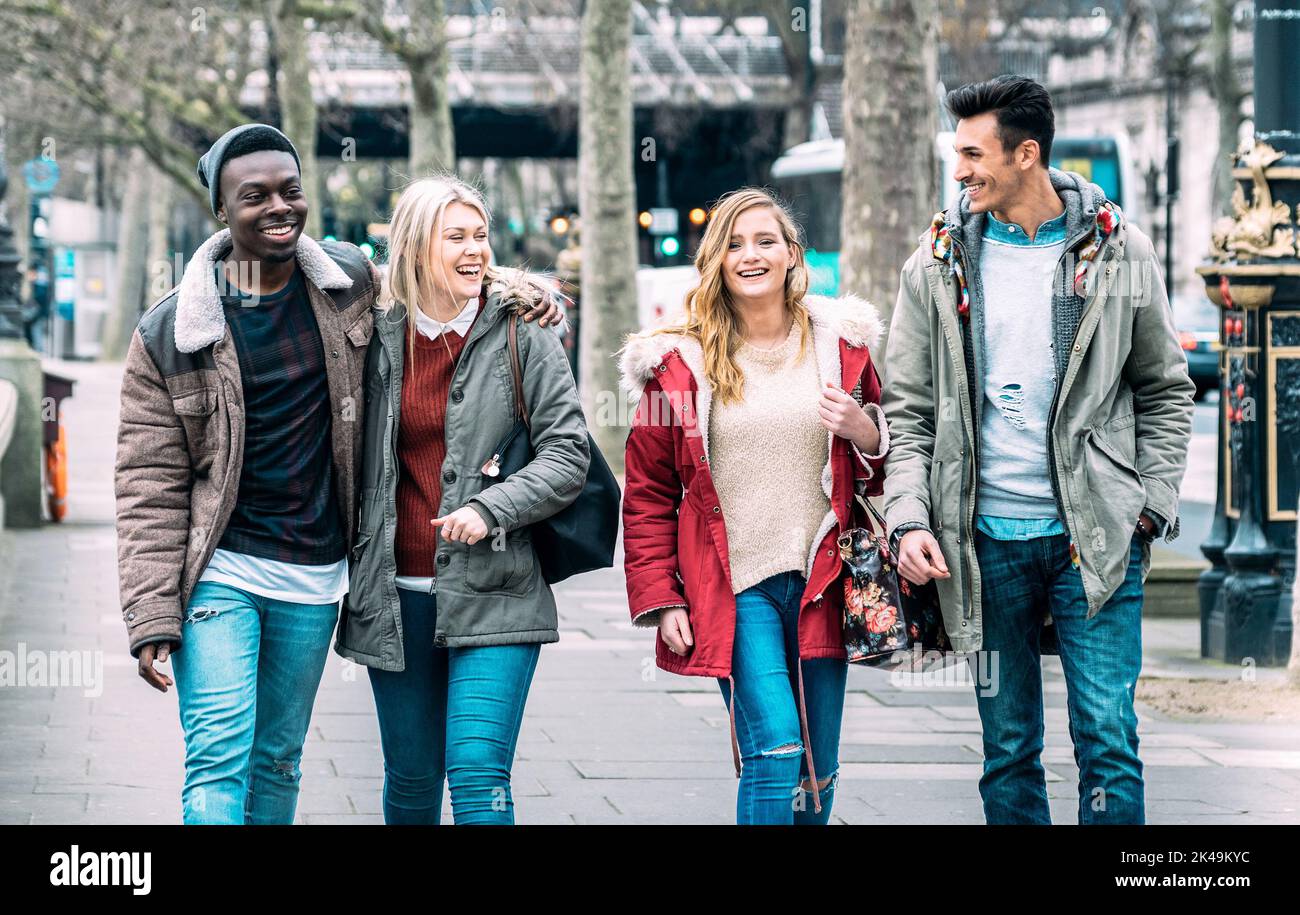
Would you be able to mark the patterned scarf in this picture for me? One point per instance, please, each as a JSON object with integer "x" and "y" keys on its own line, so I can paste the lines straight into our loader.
{"x": 1108, "y": 219}
{"x": 942, "y": 248}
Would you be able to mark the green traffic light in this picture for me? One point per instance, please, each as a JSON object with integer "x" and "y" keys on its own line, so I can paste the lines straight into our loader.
{"x": 669, "y": 246}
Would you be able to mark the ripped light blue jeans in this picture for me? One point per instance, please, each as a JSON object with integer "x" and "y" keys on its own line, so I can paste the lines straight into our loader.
{"x": 764, "y": 666}
{"x": 246, "y": 679}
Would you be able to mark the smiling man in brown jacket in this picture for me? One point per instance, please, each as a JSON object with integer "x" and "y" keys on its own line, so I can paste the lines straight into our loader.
{"x": 235, "y": 476}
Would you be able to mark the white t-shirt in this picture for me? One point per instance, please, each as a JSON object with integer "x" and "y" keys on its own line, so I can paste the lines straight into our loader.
{"x": 286, "y": 581}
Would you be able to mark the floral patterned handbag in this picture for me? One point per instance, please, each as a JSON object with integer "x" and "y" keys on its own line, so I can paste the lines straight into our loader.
{"x": 885, "y": 617}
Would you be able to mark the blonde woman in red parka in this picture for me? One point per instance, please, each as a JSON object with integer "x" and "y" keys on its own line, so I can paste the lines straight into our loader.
{"x": 757, "y": 416}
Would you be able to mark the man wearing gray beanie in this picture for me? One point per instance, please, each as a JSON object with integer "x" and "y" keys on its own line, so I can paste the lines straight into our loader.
{"x": 236, "y": 142}
{"x": 236, "y": 478}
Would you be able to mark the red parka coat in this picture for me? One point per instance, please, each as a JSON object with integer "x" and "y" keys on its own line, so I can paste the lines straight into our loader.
{"x": 674, "y": 535}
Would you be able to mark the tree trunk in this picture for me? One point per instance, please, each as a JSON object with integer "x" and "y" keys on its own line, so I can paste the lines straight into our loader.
{"x": 132, "y": 256}
{"x": 889, "y": 190}
{"x": 297, "y": 106}
{"x": 790, "y": 19}
{"x": 798, "y": 114}
{"x": 797, "y": 127}
{"x": 607, "y": 203}
{"x": 17, "y": 202}
{"x": 514, "y": 180}
{"x": 432, "y": 134}
{"x": 1227, "y": 97}
{"x": 163, "y": 272}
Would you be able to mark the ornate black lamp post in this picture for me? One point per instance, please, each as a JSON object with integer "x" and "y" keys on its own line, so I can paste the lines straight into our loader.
{"x": 1255, "y": 281}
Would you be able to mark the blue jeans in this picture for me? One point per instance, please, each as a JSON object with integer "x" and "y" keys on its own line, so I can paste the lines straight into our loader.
{"x": 246, "y": 678}
{"x": 764, "y": 664}
{"x": 453, "y": 713}
{"x": 1101, "y": 658}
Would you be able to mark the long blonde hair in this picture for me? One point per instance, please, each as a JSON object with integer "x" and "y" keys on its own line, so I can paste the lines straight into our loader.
{"x": 711, "y": 315}
{"x": 417, "y": 220}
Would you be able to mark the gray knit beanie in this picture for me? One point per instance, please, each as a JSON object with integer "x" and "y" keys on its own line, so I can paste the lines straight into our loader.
{"x": 236, "y": 142}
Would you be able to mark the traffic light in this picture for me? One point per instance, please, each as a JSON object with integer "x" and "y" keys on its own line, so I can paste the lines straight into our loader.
{"x": 669, "y": 245}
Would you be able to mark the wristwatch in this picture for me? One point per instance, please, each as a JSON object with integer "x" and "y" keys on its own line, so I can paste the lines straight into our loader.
{"x": 1141, "y": 530}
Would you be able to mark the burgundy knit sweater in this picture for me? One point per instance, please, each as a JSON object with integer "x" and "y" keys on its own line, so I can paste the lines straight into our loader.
{"x": 421, "y": 449}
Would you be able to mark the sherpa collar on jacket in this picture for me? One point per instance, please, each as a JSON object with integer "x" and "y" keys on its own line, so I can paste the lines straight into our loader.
{"x": 200, "y": 318}
{"x": 854, "y": 320}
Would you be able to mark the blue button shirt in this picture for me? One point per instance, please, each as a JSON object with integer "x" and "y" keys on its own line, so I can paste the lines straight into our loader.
{"x": 1051, "y": 232}
{"x": 1018, "y": 528}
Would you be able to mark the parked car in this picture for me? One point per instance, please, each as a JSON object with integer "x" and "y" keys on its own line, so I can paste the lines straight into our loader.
{"x": 1202, "y": 358}
{"x": 1198, "y": 333}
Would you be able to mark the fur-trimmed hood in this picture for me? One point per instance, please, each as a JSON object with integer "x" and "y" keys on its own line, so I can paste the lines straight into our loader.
{"x": 848, "y": 317}
{"x": 200, "y": 319}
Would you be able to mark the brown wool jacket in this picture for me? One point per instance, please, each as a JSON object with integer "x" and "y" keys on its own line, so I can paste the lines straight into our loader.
{"x": 181, "y": 435}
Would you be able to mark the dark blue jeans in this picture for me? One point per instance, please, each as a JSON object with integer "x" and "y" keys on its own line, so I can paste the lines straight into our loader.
{"x": 763, "y": 664}
{"x": 1101, "y": 658}
{"x": 453, "y": 713}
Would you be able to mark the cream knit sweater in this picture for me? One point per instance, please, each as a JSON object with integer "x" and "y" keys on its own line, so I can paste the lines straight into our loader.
{"x": 767, "y": 453}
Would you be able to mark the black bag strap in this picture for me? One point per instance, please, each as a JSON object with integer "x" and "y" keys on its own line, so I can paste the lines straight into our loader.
{"x": 872, "y": 512}
{"x": 516, "y": 372}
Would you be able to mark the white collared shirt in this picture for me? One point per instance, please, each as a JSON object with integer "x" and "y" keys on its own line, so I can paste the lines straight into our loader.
{"x": 433, "y": 329}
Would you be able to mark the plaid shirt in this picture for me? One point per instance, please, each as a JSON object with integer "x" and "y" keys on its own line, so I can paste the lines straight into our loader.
{"x": 287, "y": 509}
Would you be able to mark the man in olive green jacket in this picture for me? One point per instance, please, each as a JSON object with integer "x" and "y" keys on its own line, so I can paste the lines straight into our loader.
{"x": 1041, "y": 410}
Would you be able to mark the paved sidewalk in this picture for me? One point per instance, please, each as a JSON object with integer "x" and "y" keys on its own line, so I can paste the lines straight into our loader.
{"x": 606, "y": 739}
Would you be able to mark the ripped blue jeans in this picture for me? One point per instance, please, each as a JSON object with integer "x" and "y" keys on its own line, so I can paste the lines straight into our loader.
{"x": 246, "y": 679}
{"x": 774, "y": 770}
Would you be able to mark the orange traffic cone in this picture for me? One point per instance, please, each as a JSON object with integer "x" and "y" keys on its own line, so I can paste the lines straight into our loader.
{"x": 56, "y": 468}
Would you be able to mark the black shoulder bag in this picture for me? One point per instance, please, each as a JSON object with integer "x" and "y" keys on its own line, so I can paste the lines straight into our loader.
{"x": 581, "y": 536}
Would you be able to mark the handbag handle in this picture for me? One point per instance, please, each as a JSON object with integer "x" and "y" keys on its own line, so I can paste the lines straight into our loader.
{"x": 872, "y": 512}
{"x": 512, "y": 336}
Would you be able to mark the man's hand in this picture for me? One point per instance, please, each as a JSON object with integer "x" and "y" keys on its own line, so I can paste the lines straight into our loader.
{"x": 464, "y": 525}
{"x": 546, "y": 311}
{"x": 920, "y": 559}
{"x": 675, "y": 630}
{"x": 158, "y": 651}
{"x": 844, "y": 416}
